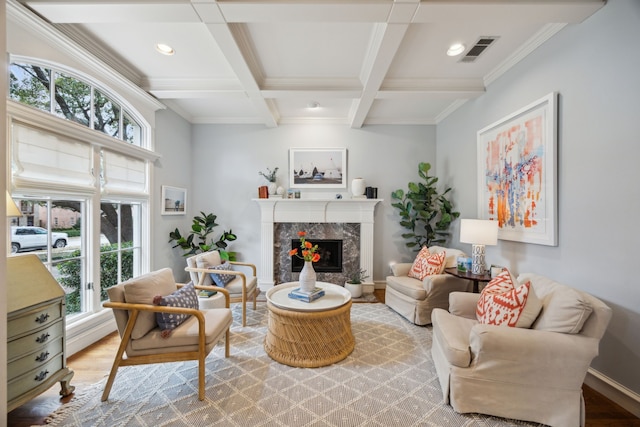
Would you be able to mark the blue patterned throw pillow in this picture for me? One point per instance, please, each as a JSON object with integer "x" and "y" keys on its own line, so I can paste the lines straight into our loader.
{"x": 184, "y": 297}
{"x": 222, "y": 279}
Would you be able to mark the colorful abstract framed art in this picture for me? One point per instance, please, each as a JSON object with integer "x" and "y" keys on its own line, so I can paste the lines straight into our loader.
{"x": 517, "y": 173}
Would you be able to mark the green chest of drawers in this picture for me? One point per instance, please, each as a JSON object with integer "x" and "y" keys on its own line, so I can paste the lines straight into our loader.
{"x": 36, "y": 338}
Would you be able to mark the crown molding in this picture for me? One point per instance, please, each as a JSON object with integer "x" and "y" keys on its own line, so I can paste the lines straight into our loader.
{"x": 548, "y": 31}
{"x": 19, "y": 14}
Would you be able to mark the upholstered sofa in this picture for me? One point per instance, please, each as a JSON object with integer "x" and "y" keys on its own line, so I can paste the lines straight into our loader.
{"x": 532, "y": 374}
{"x": 415, "y": 299}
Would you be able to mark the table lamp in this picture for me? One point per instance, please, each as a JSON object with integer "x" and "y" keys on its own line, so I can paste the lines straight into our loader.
{"x": 12, "y": 208}
{"x": 478, "y": 232}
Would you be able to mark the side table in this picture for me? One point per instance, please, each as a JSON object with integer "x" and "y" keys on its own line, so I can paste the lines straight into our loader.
{"x": 476, "y": 278}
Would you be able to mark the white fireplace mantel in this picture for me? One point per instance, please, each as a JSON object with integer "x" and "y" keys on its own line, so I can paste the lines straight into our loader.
{"x": 275, "y": 210}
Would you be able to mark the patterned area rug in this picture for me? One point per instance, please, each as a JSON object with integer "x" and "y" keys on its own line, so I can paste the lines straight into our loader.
{"x": 388, "y": 380}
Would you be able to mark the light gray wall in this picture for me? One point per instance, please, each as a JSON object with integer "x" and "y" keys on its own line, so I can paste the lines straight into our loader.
{"x": 225, "y": 160}
{"x": 594, "y": 67}
{"x": 173, "y": 142}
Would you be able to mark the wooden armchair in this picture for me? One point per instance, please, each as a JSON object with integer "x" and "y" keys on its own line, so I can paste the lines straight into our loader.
{"x": 142, "y": 342}
{"x": 241, "y": 289}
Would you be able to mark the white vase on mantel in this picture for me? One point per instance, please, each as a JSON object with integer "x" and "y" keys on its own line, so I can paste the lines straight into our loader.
{"x": 273, "y": 187}
{"x": 358, "y": 187}
{"x": 307, "y": 277}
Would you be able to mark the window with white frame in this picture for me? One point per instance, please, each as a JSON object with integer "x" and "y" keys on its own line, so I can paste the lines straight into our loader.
{"x": 81, "y": 185}
{"x": 71, "y": 98}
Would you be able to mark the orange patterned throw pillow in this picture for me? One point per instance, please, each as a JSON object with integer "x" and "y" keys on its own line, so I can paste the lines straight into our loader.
{"x": 501, "y": 303}
{"x": 427, "y": 264}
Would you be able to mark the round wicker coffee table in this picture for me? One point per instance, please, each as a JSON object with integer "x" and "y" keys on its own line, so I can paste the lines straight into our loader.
{"x": 309, "y": 335}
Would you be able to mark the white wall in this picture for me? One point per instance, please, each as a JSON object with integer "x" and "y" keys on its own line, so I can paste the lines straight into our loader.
{"x": 226, "y": 160}
{"x": 173, "y": 142}
{"x": 594, "y": 67}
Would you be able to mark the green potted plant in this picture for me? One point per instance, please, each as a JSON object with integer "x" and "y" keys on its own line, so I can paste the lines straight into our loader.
{"x": 354, "y": 281}
{"x": 425, "y": 212}
{"x": 201, "y": 227}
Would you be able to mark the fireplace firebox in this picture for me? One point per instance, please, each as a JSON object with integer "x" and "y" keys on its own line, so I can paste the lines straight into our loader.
{"x": 330, "y": 251}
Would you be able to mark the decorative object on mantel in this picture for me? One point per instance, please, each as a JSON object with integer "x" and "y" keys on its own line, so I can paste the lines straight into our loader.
{"x": 371, "y": 192}
{"x": 426, "y": 213}
{"x": 203, "y": 226}
{"x": 263, "y": 192}
{"x": 354, "y": 282}
{"x": 358, "y": 187}
{"x": 270, "y": 175}
{"x": 310, "y": 255}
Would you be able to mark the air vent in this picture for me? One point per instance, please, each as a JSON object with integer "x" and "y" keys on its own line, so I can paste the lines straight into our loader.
{"x": 481, "y": 45}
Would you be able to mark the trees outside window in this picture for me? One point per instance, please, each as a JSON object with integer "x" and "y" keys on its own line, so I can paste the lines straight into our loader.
{"x": 88, "y": 177}
{"x": 71, "y": 98}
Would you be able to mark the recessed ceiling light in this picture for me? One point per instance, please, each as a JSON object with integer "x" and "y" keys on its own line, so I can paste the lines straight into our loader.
{"x": 165, "y": 49}
{"x": 455, "y": 49}
{"x": 313, "y": 105}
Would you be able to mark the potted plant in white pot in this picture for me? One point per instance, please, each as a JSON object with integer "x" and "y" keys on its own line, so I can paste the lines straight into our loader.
{"x": 354, "y": 282}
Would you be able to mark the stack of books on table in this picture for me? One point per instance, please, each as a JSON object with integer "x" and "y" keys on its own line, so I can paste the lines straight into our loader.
{"x": 206, "y": 293}
{"x": 301, "y": 295}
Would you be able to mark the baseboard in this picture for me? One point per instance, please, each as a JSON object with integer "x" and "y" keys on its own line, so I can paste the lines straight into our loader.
{"x": 379, "y": 284}
{"x": 94, "y": 329}
{"x": 614, "y": 391}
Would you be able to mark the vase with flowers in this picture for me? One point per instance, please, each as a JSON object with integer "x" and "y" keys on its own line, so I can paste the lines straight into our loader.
{"x": 309, "y": 253}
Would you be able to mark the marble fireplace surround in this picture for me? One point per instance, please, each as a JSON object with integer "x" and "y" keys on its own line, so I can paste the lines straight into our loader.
{"x": 343, "y": 213}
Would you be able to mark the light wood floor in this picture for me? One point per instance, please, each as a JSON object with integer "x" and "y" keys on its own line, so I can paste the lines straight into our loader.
{"x": 93, "y": 363}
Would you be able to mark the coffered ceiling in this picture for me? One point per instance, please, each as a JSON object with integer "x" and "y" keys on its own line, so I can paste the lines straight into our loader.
{"x": 266, "y": 61}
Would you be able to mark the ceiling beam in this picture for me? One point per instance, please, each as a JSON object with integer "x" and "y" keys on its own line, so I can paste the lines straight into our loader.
{"x": 385, "y": 43}
{"x": 235, "y": 47}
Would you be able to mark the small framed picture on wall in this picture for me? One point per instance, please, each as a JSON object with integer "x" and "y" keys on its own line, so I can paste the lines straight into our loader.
{"x": 174, "y": 200}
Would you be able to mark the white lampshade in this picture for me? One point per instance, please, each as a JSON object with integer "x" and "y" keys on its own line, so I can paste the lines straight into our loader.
{"x": 479, "y": 231}
{"x": 12, "y": 208}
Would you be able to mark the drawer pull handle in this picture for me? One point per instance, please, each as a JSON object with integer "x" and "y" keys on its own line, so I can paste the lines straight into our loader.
{"x": 41, "y": 376}
{"x": 42, "y": 318}
{"x": 42, "y": 338}
{"x": 43, "y": 356}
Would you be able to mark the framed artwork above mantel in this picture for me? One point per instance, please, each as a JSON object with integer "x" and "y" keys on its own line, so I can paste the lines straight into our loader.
{"x": 318, "y": 168}
{"x": 517, "y": 170}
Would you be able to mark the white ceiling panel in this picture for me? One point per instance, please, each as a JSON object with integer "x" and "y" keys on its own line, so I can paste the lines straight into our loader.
{"x": 197, "y": 54}
{"x": 311, "y": 50}
{"x": 364, "y": 61}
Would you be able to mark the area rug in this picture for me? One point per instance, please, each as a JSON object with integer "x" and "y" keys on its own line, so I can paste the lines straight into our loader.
{"x": 388, "y": 380}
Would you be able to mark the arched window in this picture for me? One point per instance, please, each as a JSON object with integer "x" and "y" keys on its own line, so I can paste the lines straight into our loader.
{"x": 65, "y": 95}
{"x": 80, "y": 166}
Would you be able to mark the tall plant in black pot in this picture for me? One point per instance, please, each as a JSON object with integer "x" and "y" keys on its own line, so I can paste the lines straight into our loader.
{"x": 425, "y": 212}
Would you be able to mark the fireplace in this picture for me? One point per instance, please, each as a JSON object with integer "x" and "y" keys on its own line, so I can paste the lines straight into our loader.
{"x": 350, "y": 220}
{"x": 330, "y": 251}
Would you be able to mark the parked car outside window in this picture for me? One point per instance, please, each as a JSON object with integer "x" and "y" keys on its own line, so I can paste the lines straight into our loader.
{"x": 28, "y": 238}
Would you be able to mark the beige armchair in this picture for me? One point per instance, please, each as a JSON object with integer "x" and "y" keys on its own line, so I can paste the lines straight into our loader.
{"x": 532, "y": 374}
{"x": 415, "y": 299}
{"x": 141, "y": 338}
{"x": 241, "y": 289}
